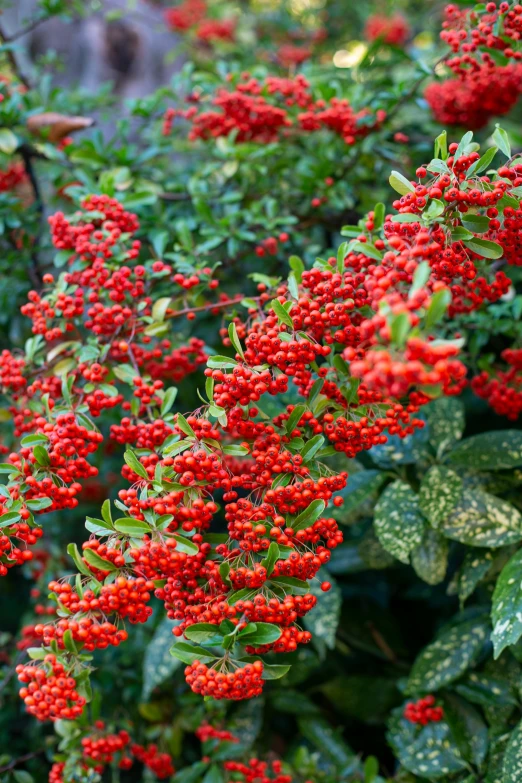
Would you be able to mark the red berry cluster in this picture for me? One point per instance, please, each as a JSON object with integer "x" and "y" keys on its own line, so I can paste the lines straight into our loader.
{"x": 423, "y": 711}
{"x": 503, "y": 389}
{"x": 241, "y": 683}
{"x": 393, "y": 29}
{"x": 50, "y": 690}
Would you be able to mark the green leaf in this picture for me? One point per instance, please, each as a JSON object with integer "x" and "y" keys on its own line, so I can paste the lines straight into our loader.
{"x": 367, "y": 249}
{"x": 323, "y": 620}
{"x": 184, "y": 426}
{"x": 158, "y": 663}
{"x": 484, "y": 247}
{"x": 512, "y": 766}
{"x": 498, "y": 450}
{"x": 98, "y": 562}
{"x": 274, "y": 671}
{"x": 221, "y": 363}
{"x": 420, "y": 278}
{"x": 486, "y": 691}
{"x": 441, "y": 146}
{"x": 430, "y": 559}
{"x": 481, "y": 165}
{"x": 320, "y": 733}
{"x": 204, "y": 633}
{"x": 72, "y": 550}
{"x": 475, "y": 567}
{"x": 440, "y": 491}
{"x": 467, "y": 728}
{"x": 135, "y": 465}
{"x": 291, "y": 584}
{"x": 135, "y": 528}
{"x": 21, "y": 776}
{"x": 160, "y": 307}
{"x": 234, "y": 339}
{"x": 398, "y": 521}
{"x": 378, "y": 216}
{"x": 297, "y": 267}
{"x": 506, "y": 610}
{"x": 185, "y": 545}
{"x": 281, "y": 313}
{"x": 168, "y": 400}
{"x": 213, "y": 775}
{"x": 310, "y": 515}
{"x": 483, "y": 520}
{"x": 360, "y": 487}
{"x": 479, "y": 224}
{"x": 294, "y": 418}
{"x": 445, "y": 418}
{"x": 501, "y": 139}
{"x": 188, "y": 653}
{"x": 312, "y": 447}
{"x": 41, "y": 456}
{"x": 440, "y": 302}
{"x": 399, "y": 327}
{"x": 428, "y": 751}
{"x": 272, "y": 556}
{"x": 400, "y": 183}
{"x": 264, "y": 633}
{"x": 8, "y": 141}
{"x": 38, "y": 504}
{"x": 97, "y": 526}
{"x": 456, "y": 649}
{"x": 461, "y": 149}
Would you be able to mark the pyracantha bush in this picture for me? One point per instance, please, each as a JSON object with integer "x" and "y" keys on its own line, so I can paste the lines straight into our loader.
{"x": 267, "y": 344}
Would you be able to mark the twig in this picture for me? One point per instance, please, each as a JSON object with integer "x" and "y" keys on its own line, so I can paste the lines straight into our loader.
{"x": 21, "y": 759}
{"x": 381, "y": 642}
{"x": 24, "y": 30}
{"x": 13, "y": 61}
{"x": 26, "y": 154}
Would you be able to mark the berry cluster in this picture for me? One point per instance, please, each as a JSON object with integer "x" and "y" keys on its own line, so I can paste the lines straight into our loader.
{"x": 423, "y": 711}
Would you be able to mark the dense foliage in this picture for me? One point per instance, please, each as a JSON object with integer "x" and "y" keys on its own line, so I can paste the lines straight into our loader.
{"x": 261, "y": 378}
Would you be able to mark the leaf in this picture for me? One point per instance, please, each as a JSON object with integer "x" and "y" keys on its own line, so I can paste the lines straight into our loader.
{"x": 443, "y": 661}
{"x": 275, "y": 671}
{"x": 294, "y": 418}
{"x": 125, "y": 373}
{"x": 72, "y": 550}
{"x": 467, "y": 728}
{"x": 323, "y": 620}
{"x": 297, "y": 267}
{"x": 97, "y": 526}
{"x": 213, "y": 775}
{"x": 398, "y": 522}
{"x": 98, "y": 562}
{"x": 188, "y": 653}
{"x": 483, "y": 520}
{"x": 498, "y": 450}
{"x": 184, "y": 426}
{"x": 312, "y": 447}
{"x": 445, "y": 418}
{"x": 135, "y": 465}
{"x": 480, "y": 165}
{"x": 360, "y": 487}
{"x": 399, "y": 327}
{"x": 160, "y": 307}
{"x": 264, "y": 633}
{"x": 378, "y": 216}
{"x": 185, "y": 545}
{"x": 475, "y": 567}
{"x": 479, "y": 224}
{"x": 420, "y": 278}
{"x": 484, "y": 247}
{"x": 501, "y": 139}
{"x": 428, "y": 751}
{"x": 400, "y": 183}
{"x": 38, "y": 504}
{"x": 486, "y": 691}
{"x": 41, "y": 456}
{"x": 440, "y": 302}
{"x": 506, "y": 611}
{"x": 512, "y": 766}
{"x": 8, "y": 141}
{"x": 430, "y": 559}
{"x": 221, "y": 363}
{"x": 367, "y": 249}
{"x": 132, "y": 527}
{"x": 168, "y": 400}
{"x": 272, "y": 556}
{"x": 291, "y": 584}
{"x": 234, "y": 339}
{"x": 461, "y": 148}
{"x": 281, "y": 313}
{"x": 310, "y": 515}
{"x": 317, "y": 731}
{"x": 440, "y": 491}
{"x": 204, "y": 633}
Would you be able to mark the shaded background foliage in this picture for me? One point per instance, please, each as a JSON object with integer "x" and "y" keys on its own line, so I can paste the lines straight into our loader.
{"x": 333, "y": 707}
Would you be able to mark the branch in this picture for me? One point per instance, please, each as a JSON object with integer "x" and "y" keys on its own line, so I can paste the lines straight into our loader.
{"x": 26, "y": 153}
{"x": 24, "y": 30}
{"x": 21, "y": 759}
{"x": 13, "y": 61}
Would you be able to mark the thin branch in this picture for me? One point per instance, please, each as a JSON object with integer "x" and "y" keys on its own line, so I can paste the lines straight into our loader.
{"x": 25, "y": 30}
{"x": 13, "y": 61}
{"x": 21, "y": 759}
{"x": 26, "y": 154}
